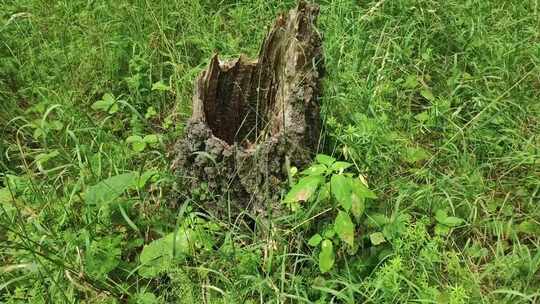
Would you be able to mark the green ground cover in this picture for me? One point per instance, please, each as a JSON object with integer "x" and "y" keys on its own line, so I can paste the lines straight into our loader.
{"x": 436, "y": 104}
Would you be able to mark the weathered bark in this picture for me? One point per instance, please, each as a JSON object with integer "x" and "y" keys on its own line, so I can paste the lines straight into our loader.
{"x": 251, "y": 117}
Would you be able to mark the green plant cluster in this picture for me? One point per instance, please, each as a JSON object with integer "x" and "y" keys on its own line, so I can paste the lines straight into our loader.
{"x": 425, "y": 189}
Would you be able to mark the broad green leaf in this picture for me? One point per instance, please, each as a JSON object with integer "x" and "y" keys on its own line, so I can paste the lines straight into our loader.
{"x": 329, "y": 232}
{"x": 361, "y": 190}
{"x": 377, "y": 220}
{"x": 326, "y": 256}
{"x": 427, "y": 94}
{"x": 325, "y": 159}
{"x": 133, "y": 139}
{"x": 377, "y": 238}
{"x": 146, "y": 298}
{"x": 158, "y": 256}
{"x": 453, "y": 221}
{"x": 107, "y": 103}
{"x": 147, "y": 175}
{"x": 315, "y": 240}
{"x": 340, "y": 166}
{"x": 396, "y": 227}
{"x": 160, "y": 86}
{"x": 107, "y": 97}
{"x": 441, "y": 229}
{"x": 357, "y": 204}
{"x": 304, "y": 189}
{"x": 340, "y": 186}
{"x": 413, "y": 155}
{"x": 138, "y": 146}
{"x": 324, "y": 193}
{"x": 422, "y": 116}
{"x": 56, "y": 125}
{"x": 101, "y": 105}
{"x": 103, "y": 256}
{"x": 5, "y": 196}
{"x": 44, "y": 157}
{"x": 151, "y": 139}
{"x": 150, "y": 112}
{"x": 344, "y": 227}
{"x": 316, "y": 169}
{"x": 411, "y": 82}
{"x": 110, "y": 189}
{"x": 529, "y": 227}
{"x": 137, "y": 143}
{"x": 444, "y": 219}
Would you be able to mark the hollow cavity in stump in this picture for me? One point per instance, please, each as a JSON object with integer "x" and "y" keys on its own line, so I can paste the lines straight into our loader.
{"x": 252, "y": 117}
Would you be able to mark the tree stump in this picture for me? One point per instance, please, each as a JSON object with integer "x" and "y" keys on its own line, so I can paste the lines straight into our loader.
{"x": 252, "y": 118}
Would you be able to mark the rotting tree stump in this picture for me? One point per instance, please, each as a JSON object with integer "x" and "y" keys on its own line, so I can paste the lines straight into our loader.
{"x": 253, "y": 118}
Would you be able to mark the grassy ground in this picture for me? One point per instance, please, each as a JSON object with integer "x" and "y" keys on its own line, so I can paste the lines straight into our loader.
{"x": 435, "y": 102}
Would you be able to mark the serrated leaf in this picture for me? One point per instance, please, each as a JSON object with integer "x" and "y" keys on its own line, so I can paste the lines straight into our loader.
{"x": 344, "y": 227}
{"x": 315, "y": 240}
{"x": 316, "y": 169}
{"x": 377, "y": 238}
{"x": 340, "y": 187}
{"x": 304, "y": 189}
{"x": 326, "y": 256}
{"x": 110, "y": 189}
{"x": 325, "y": 159}
{"x": 340, "y": 166}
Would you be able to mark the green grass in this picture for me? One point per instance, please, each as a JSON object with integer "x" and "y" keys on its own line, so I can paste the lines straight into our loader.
{"x": 435, "y": 102}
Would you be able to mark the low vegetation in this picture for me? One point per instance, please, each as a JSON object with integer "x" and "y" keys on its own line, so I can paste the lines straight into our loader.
{"x": 426, "y": 188}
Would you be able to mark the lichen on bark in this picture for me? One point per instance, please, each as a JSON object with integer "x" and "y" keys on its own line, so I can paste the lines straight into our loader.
{"x": 253, "y": 117}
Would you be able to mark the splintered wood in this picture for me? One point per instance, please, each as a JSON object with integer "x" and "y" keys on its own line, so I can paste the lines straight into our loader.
{"x": 251, "y": 118}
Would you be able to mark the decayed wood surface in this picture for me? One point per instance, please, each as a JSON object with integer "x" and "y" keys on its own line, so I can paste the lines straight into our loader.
{"x": 251, "y": 117}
